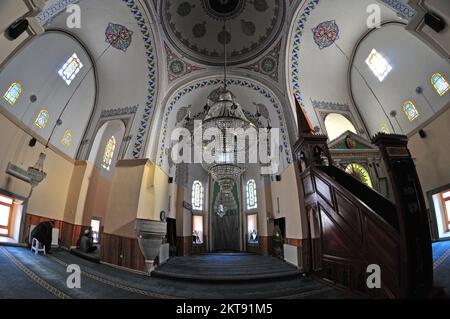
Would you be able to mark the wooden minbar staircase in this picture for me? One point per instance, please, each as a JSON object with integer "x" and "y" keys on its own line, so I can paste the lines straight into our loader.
{"x": 352, "y": 226}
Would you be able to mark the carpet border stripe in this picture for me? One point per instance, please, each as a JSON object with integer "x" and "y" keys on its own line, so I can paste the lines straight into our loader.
{"x": 34, "y": 277}
{"x": 116, "y": 284}
{"x": 441, "y": 259}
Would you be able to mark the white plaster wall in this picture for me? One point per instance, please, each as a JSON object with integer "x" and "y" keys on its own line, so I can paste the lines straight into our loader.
{"x": 413, "y": 64}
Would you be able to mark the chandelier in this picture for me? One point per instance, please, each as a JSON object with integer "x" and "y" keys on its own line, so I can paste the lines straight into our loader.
{"x": 227, "y": 116}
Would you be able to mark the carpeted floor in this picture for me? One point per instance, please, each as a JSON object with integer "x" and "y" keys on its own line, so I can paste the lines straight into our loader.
{"x": 16, "y": 284}
{"x": 100, "y": 281}
{"x": 441, "y": 265}
{"x": 26, "y": 276}
{"x": 226, "y": 267}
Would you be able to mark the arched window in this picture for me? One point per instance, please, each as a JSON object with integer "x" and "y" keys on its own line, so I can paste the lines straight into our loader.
{"x": 440, "y": 84}
{"x": 252, "y": 199}
{"x": 67, "y": 138}
{"x": 70, "y": 69}
{"x": 12, "y": 95}
{"x": 109, "y": 153}
{"x": 411, "y": 111}
{"x": 337, "y": 124}
{"x": 360, "y": 173}
{"x": 378, "y": 64}
{"x": 197, "y": 195}
{"x": 42, "y": 119}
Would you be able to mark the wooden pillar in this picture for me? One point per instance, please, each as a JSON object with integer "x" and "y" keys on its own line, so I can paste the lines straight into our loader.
{"x": 310, "y": 150}
{"x": 416, "y": 265}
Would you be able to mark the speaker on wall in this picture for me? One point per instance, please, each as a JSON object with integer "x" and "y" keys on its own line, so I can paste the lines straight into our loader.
{"x": 17, "y": 28}
{"x": 32, "y": 142}
{"x": 434, "y": 22}
{"x": 422, "y": 134}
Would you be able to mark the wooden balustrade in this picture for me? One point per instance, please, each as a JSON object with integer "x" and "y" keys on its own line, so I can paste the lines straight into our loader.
{"x": 351, "y": 226}
{"x": 352, "y": 235}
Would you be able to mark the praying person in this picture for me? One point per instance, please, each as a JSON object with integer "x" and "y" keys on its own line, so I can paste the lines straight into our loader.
{"x": 87, "y": 242}
{"x": 43, "y": 233}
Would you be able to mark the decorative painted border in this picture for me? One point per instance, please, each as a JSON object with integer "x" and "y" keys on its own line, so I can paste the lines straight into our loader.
{"x": 46, "y": 15}
{"x": 152, "y": 83}
{"x": 295, "y": 53}
{"x": 202, "y": 84}
{"x": 404, "y": 10}
{"x": 120, "y": 111}
{"x": 330, "y": 106}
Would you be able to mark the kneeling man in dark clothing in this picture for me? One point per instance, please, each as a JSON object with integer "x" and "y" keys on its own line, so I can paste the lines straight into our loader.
{"x": 87, "y": 242}
{"x": 43, "y": 233}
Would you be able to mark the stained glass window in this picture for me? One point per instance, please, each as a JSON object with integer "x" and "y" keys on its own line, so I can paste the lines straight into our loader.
{"x": 252, "y": 200}
{"x": 42, "y": 119}
{"x": 360, "y": 173}
{"x": 67, "y": 138}
{"x": 378, "y": 64}
{"x": 13, "y": 93}
{"x": 70, "y": 69}
{"x": 108, "y": 154}
{"x": 411, "y": 111}
{"x": 197, "y": 195}
{"x": 440, "y": 84}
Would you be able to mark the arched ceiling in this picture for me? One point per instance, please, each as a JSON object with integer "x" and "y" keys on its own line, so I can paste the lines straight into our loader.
{"x": 192, "y": 98}
{"x": 141, "y": 64}
{"x": 326, "y": 77}
{"x": 36, "y": 68}
{"x": 323, "y": 37}
{"x": 196, "y": 28}
{"x": 120, "y": 39}
{"x": 413, "y": 64}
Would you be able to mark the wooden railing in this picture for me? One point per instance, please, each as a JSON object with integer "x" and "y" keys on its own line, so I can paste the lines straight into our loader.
{"x": 357, "y": 227}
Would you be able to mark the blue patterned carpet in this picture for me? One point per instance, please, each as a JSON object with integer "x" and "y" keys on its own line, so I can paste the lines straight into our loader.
{"x": 441, "y": 265}
{"x": 24, "y": 275}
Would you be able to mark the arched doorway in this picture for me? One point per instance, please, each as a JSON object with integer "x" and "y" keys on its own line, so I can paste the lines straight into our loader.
{"x": 337, "y": 124}
{"x": 226, "y": 220}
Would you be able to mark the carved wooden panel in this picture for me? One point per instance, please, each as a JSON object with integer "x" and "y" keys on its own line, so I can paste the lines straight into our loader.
{"x": 349, "y": 212}
{"x": 323, "y": 189}
{"x": 122, "y": 251}
{"x": 353, "y": 237}
{"x": 307, "y": 186}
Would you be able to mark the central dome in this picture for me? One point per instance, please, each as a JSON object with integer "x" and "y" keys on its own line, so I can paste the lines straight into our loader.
{"x": 224, "y": 9}
{"x": 196, "y": 28}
